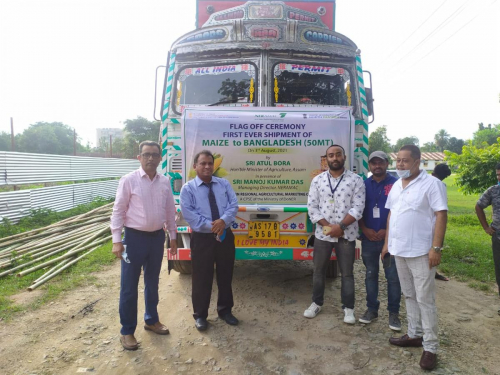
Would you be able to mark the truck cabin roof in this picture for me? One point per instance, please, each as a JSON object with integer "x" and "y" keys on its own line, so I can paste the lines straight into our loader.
{"x": 265, "y": 26}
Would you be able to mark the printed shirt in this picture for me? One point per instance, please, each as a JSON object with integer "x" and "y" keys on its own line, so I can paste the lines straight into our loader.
{"x": 413, "y": 214}
{"x": 376, "y": 196}
{"x": 349, "y": 198}
{"x": 143, "y": 204}
{"x": 491, "y": 197}
{"x": 195, "y": 207}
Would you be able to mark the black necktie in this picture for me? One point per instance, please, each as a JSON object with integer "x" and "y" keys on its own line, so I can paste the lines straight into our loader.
{"x": 213, "y": 203}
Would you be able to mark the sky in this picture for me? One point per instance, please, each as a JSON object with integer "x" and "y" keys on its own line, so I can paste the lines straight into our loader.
{"x": 91, "y": 64}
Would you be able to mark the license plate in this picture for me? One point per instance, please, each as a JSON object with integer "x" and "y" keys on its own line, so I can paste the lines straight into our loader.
{"x": 269, "y": 230}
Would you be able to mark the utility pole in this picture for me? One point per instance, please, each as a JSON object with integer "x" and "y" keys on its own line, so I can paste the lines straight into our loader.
{"x": 12, "y": 148}
{"x": 110, "y": 146}
{"x": 74, "y": 142}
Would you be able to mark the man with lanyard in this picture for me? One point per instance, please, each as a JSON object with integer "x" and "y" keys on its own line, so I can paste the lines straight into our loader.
{"x": 416, "y": 226}
{"x": 336, "y": 201}
{"x": 209, "y": 205}
{"x": 492, "y": 197}
{"x": 373, "y": 225}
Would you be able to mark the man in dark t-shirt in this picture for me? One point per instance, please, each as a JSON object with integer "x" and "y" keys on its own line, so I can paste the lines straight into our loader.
{"x": 373, "y": 225}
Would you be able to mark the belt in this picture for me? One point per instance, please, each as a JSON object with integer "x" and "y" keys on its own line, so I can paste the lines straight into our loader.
{"x": 155, "y": 233}
{"x": 228, "y": 229}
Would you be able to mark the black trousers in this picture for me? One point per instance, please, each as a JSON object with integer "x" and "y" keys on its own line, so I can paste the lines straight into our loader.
{"x": 495, "y": 242}
{"x": 205, "y": 251}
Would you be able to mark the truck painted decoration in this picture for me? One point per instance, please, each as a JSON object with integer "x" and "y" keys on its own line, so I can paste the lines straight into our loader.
{"x": 269, "y": 156}
{"x": 303, "y": 10}
{"x": 266, "y": 86}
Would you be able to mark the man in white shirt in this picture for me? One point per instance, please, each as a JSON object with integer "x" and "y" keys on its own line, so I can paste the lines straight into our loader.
{"x": 335, "y": 203}
{"x": 415, "y": 232}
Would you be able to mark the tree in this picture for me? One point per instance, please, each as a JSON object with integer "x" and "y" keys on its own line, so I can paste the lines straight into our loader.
{"x": 455, "y": 145}
{"x": 429, "y": 147}
{"x": 141, "y": 129}
{"x": 475, "y": 167}
{"x": 441, "y": 139}
{"x": 48, "y": 138}
{"x": 412, "y": 140}
{"x": 486, "y": 136}
{"x": 5, "y": 141}
{"x": 378, "y": 140}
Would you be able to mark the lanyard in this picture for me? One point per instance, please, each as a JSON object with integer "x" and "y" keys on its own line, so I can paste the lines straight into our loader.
{"x": 377, "y": 200}
{"x": 338, "y": 183}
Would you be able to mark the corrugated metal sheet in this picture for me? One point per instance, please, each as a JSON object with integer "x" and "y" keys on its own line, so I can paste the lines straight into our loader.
{"x": 18, "y": 168}
{"x": 16, "y": 204}
{"x": 438, "y": 156}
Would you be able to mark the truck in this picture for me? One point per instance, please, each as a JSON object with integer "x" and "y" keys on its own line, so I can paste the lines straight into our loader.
{"x": 267, "y": 87}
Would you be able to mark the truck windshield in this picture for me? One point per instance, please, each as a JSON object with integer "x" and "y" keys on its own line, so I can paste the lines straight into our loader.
{"x": 232, "y": 85}
{"x": 299, "y": 84}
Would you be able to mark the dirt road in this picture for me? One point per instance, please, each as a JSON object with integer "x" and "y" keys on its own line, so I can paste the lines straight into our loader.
{"x": 272, "y": 338}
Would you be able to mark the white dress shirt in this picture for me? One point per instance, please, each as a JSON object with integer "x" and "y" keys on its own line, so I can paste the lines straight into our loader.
{"x": 349, "y": 198}
{"x": 413, "y": 215}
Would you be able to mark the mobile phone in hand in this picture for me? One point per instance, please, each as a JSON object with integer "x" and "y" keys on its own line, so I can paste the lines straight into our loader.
{"x": 386, "y": 261}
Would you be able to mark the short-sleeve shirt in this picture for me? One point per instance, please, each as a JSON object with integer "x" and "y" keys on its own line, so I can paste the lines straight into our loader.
{"x": 491, "y": 197}
{"x": 333, "y": 198}
{"x": 376, "y": 196}
{"x": 413, "y": 218}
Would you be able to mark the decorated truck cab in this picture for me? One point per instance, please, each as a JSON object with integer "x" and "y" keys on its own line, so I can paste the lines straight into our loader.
{"x": 266, "y": 86}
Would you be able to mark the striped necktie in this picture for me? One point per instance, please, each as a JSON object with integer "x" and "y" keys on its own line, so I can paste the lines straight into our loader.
{"x": 213, "y": 202}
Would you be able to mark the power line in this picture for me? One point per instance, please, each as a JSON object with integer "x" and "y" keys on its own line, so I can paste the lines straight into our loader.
{"x": 451, "y": 36}
{"x": 414, "y": 31}
{"x": 457, "y": 31}
{"x": 440, "y": 26}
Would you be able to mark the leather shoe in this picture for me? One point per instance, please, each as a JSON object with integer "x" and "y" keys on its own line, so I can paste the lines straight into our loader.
{"x": 428, "y": 360}
{"x": 129, "y": 342}
{"x": 230, "y": 319}
{"x": 158, "y": 328}
{"x": 406, "y": 341}
{"x": 201, "y": 324}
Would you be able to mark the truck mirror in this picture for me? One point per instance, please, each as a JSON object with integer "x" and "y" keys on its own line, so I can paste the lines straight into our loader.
{"x": 369, "y": 100}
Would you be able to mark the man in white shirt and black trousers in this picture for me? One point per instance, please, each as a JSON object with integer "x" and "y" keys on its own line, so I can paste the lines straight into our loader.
{"x": 335, "y": 203}
{"x": 415, "y": 232}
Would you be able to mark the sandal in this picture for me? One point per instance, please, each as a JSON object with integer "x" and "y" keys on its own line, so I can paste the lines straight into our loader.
{"x": 441, "y": 277}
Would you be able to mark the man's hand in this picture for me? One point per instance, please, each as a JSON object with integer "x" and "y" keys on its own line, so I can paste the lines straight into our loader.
{"x": 385, "y": 250}
{"x": 434, "y": 258}
{"x": 218, "y": 226}
{"x": 381, "y": 235}
{"x": 490, "y": 231}
{"x": 173, "y": 247}
{"x": 336, "y": 231}
{"x": 370, "y": 234}
{"x": 118, "y": 249}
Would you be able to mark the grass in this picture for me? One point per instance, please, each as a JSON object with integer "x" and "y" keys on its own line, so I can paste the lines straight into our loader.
{"x": 77, "y": 275}
{"x": 467, "y": 254}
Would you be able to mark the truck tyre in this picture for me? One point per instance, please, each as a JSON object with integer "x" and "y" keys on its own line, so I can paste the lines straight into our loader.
{"x": 333, "y": 269}
{"x": 181, "y": 266}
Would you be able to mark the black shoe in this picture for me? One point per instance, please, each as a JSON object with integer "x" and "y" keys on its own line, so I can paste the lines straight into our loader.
{"x": 230, "y": 319}
{"x": 201, "y": 324}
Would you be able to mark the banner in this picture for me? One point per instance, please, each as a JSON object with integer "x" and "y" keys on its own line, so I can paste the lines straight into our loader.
{"x": 270, "y": 156}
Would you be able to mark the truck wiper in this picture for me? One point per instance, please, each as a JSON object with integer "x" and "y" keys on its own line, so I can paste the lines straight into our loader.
{"x": 226, "y": 101}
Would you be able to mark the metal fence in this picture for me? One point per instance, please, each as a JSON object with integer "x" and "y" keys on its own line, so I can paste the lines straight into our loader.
{"x": 17, "y": 204}
{"x": 19, "y": 168}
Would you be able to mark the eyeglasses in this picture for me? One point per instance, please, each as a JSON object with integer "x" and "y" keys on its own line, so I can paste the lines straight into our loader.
{"x": 148, "y": 155}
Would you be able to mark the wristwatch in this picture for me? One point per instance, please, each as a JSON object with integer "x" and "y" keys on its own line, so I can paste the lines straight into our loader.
{"x": 437, "y": 249}
{"x": 342, "y": 226}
